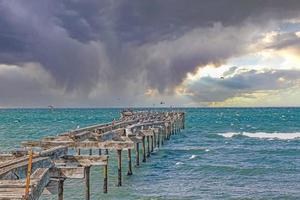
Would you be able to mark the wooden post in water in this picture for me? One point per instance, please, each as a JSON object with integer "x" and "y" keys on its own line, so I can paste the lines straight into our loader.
{"x": 106, "y": 151}
{"x": 99, "y": 152}
{"x": 91, "y": 152}
{"x": 183, "y": 121}
{"x": 129, "y": 172}
{"x": 78, "y": 151}
{"x": 148, "y": 146}
{"x": 152, "y": 143}
{"x": 162, "y": 136}
{"x": 154, "y": 137}
{"x": 87, "y": 182}
{"x": 119, "y": 154}
{"x": 61, "y": 188}
{"x": 144, "y": 150}
{"x": 137, "y": 154}
{"x": 105, "y": 175}
{"x": 158, "y": 137}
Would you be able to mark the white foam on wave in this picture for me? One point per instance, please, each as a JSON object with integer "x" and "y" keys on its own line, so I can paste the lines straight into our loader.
{"x": 179, "y": 163}
{"x": 192, "y": 157}
{"x": 263, "y": 135}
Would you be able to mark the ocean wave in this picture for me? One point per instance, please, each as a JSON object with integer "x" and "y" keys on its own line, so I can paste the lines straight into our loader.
{"x": 192, "y": 157}
{"x": 263, "y": 135}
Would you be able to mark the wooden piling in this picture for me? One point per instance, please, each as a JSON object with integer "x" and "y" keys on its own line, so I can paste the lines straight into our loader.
{"x": 78, "y": 151}
{"x": 137, "y": 154}
{"x": 91, "y": 152}
{"x": 61, "y": 188}
{"x": 119, "y": 155}
{"x": 144, "y": 150}
{"x": 152, "y": 144}
{"x": 99, "y": 152}
{"x": 105, "y": 179}
{"x": 148, "y": 146}
{"x": 87, "y": 182}
{"x": 154, "y": 137}
{"x": 129, "y": 172}
{"x": 158, "y": 138}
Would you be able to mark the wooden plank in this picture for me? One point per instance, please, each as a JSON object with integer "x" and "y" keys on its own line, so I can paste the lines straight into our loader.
{"x": 54, "y": 152}
{"x": 15, "y": 190}
{"x": 67, "y": 172}
{"x": 42, "y": 176}
{"x": 19, "y": 166}
{"x": 82, "y": 160}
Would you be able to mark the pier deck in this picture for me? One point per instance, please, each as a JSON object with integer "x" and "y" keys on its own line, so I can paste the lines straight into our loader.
{"x": 56, "y": 159}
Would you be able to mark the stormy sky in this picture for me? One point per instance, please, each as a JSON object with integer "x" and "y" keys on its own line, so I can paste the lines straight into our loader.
{"x": 91, "y": 53}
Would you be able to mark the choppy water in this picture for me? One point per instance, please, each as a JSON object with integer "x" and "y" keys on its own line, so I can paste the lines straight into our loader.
{"x": 222, "y": 154}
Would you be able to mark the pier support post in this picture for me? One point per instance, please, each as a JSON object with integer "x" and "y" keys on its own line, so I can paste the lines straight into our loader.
{"x": 61, "y": 188}
{"x": 105, "y": 179}
{"x": 91, "y": 152}
{"x": 99, "y": 152}
{"x": 162, "y": 137}
{"x": 106, "y": 151}
{"x": 158, "y": 138}
{"x": 144, "y": 150}
{"x": 137, "y": 154}
{"x": 119, "y": 154}
{"x": 148, "y": 146}
{"x": 154, "y": 138}
{"x": 78, "y": 151}
{"x": 129, "y": 172}
{"x": 152, "y": 143}
{"x": 87, "y": 182}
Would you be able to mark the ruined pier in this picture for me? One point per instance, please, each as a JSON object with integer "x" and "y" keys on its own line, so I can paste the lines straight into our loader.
{"x": 71, "y": 155}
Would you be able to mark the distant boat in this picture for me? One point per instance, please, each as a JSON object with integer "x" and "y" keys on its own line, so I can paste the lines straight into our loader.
{"x": 161, "y": 103}
{"x": 51, "y": 107}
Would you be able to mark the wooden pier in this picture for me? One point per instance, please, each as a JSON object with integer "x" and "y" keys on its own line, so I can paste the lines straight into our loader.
{"x": 58, "y": 158}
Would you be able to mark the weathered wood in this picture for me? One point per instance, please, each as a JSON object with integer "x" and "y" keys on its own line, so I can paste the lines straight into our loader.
{"x": 87, "y": 182}
{"x": 83, "y": 145}
{"x": 105, "y": 181}
{"x": 158, "y": 137}
{"x": 148, "y": 146}
{"x": 129, "y": 163}
{"x": 81, "y": 160}
{"x": 119, "y": 157}
{"x": 61, "y": 189}
{"x": 137, "y": 155}
{"x": 19, "y": 166}
{"x": 152, "y": 144}
{"x": 154, "y": 139}
{"x": 67, "y": 172}
{"x": 144, "y": 150}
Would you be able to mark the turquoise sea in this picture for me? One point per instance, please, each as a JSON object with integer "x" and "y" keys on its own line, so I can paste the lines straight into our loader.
{"x": 224, "y": 153}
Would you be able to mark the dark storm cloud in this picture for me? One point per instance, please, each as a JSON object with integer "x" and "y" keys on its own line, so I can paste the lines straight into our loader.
{"x": 240, "y": 83}
{"x": 82, "y": 43}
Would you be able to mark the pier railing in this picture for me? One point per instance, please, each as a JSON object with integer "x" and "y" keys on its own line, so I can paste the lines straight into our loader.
{"x": 58, "y": 158}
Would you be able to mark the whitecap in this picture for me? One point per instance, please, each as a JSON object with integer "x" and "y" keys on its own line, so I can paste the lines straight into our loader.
{"x": 207, "y": 150}
{"x": 263, "y": 135}
{"x": 179, "y": 163}
{"x": 192, "y": 157}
